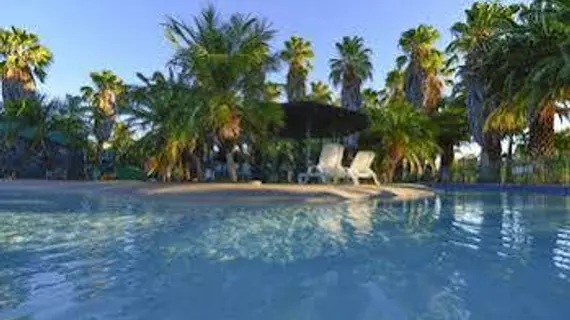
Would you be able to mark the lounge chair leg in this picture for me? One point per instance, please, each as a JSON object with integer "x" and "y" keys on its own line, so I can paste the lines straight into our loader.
{"x": 355, "y": 180}
{"x": 376, "y": 182}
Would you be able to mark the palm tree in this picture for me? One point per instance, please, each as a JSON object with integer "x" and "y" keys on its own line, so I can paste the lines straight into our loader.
{"x": 70, "y": 118}
{"x": 227, "y": 61}
{"x": 452, "y": 129}
{"x": 473, "y": 41}
{"x": 297, "y": 55}
{"x": 171, "y": 114}
{"x": 32, "y": 117}
{"x": 394, "y": 88}
{"x": 45, "y": 122}
{"x": 103, "y": 98}
{"x": 320, "y": 92}
{"x": 350, "y": 69}
{"x": 123, "y": 144}
{"x": 533, "y": 62}
{"x": 273, "y": 92}
{"x": 371, "y": 98}
{"x": 401, "y": 134}
{"x": 423, "y": 85}
{"x": 23, "y": 61}
{"x": 507, "y": 122}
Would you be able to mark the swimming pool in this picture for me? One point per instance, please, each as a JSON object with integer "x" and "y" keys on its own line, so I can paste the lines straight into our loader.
{"x": 458, "y": 256}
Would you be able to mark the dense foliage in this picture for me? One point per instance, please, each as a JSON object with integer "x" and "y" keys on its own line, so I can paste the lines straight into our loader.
{"x": 503, "y": 80}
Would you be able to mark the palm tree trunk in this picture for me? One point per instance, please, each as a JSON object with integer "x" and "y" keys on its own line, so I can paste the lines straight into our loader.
{"x": 351, "y": 97}
{"x": 168, "y": 173}
{"x": 490, "y": 163}
{"x": 232, "y": 170}
{"x": 296, "y": 90}
{"x": 447, "y": 158}
{"x": 197, "y": 166}
{"x": 391, "y": 167}
{"x": 509, "y": 164}
{"x": 187, "y": 171}
{"x": 98, "y": 152}
{"x": 97, "y": 162}
{"x": 392, "y": 162}
{"x": 542, "y": 136}
{"x": 415, "y": 84}
{"x": 15, "y": 89}
{"x": 48, "y": 157}
{"x": 104, "y": 129}
{"x": 188, "y": 163}
{"x": 541, "y": 143}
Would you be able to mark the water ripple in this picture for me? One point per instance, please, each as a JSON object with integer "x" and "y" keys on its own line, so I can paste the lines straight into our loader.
{"x": 444, "y": 258}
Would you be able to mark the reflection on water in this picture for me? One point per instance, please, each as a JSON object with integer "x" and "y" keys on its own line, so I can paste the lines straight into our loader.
{"x": 458, "y": 256}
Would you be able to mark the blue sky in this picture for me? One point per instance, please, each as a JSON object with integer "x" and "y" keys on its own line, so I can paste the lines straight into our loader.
{"x": 125, "y": 35}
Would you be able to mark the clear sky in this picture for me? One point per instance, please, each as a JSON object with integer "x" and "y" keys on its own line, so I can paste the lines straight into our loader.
{"x": 125, "y": 35}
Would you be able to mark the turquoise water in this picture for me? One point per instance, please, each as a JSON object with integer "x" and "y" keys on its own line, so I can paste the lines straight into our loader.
{"x": 459, "y": 256}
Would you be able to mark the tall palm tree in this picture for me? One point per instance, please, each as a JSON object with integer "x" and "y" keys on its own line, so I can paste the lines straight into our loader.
{"x": 423, "y": 84}
{"x": 227, "y": 61}
{"x": 452, "y": 129}
{"x": 536, "y": 55}
{"x": 297, "y": 54}
{"x": 394, "y": 87}
{"x": 103, "y": 98}
{"x": 473, "y": 39}
{"x": 371, "y": 98}
{"x": 321, "y": 92}
{"x": 23, "y": 61}
{"x": 350, "y": 69}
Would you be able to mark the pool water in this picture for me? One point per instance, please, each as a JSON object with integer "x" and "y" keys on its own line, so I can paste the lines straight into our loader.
{"x": 458, "y": 256}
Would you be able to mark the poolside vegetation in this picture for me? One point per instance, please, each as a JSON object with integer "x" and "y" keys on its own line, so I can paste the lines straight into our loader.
{"x": 501, "y": 83}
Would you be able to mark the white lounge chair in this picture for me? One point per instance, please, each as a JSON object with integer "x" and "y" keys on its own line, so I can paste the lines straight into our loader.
{"x": 328, "y": 167}
{"x": 360, "y": 168}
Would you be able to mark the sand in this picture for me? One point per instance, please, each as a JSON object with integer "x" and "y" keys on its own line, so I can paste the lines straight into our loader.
{"x": 225, "y": 192}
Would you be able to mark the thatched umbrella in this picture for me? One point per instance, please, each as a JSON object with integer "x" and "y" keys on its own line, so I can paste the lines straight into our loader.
{"x": 308, "y": 119}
